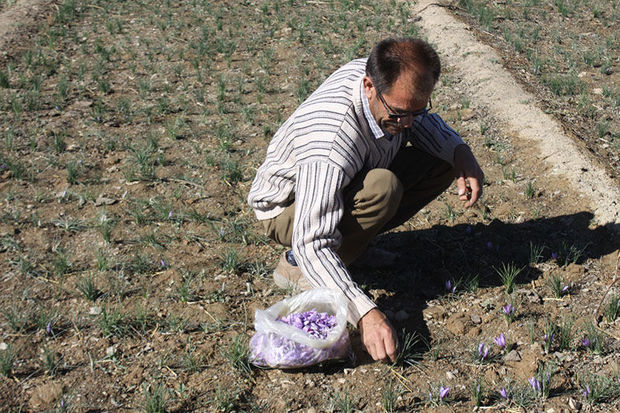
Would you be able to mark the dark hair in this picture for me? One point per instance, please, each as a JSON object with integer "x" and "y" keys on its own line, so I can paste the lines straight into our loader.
{"x": 391, "y": 56}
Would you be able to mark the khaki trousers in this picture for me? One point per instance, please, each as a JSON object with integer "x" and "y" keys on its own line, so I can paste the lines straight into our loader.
{"x": 377, "y": 200}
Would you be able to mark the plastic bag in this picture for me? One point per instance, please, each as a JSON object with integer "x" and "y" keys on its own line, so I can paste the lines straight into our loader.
{"x": 280, "y": 345}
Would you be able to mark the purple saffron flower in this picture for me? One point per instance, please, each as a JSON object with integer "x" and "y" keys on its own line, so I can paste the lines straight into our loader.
{"x": 508, "y": 310}
{"x": 170, "y": 215}
{"x": 48, "y": 328}
{"x": 500, "y": 340}
{"x": 443, "y": 392}
{"x": 554, "y": 255}
{"x": 162, "y": 263}
{"x": 587, "y": 392}
{"x": 468, "y": 229}
{"x": 483, "y": 351}
{"x": 490, "y": 245}
{"x": 585, "y": 342}
{"x": 222, "y": 233}
{"x": 450, "y": 287}
{"x": 503, "y": 393}
{"x": 565, "y": 289}
{"x": 535, "y": 383}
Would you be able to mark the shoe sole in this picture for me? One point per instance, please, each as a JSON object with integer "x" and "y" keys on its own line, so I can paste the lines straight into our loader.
{"x": 284, "y": 283}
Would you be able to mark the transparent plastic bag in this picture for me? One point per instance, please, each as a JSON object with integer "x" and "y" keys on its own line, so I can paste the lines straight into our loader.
{"x": 280, "y": 345}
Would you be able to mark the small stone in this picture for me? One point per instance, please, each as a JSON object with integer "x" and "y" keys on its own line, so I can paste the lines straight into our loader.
{"x": 475, "y": 318}
{"x": 450, "y": 375}
{"x": 3, "y": 346}
{"x": 312, "y": 410}
{"x": 435, "y": 312}
{"x": 531, "y": 295}
{"x": 96, "y": 310}
{"x": 342, "y": 380}
{"x": 513, "y": 356}
{"x": 550, "y": 410}
{"x": 575, "y": 405}
{"x": 348, "y": 371}
{"x": 111, "y": 351}
{"x": 609, "y": 71}
{"x": 101, "y": 200}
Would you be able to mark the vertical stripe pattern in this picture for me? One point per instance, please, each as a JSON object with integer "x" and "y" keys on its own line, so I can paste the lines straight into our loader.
{"x": 313, "y": 157}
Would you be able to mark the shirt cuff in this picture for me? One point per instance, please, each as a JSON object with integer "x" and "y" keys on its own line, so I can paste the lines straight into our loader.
{"x": 358, "y": 307}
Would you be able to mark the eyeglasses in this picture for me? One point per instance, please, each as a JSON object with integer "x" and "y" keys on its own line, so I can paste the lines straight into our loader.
{"x": 404, "y": 115}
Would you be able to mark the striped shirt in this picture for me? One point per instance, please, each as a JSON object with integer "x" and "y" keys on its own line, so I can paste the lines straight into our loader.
{"x": 315, "y": 154}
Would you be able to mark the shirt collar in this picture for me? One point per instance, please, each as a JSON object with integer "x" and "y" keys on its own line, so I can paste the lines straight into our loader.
{"x": 372, "y": 123}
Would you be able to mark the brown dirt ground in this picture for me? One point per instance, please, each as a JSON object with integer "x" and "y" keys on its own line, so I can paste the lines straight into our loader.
{"x": 99, "y": 372}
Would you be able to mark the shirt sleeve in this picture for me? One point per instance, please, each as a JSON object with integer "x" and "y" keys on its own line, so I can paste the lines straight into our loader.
{"x": 318, "y": 210}
{"x": 431, "y": 134}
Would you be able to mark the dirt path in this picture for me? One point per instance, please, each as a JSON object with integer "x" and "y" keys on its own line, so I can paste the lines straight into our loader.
{"x": 492, "y": 87}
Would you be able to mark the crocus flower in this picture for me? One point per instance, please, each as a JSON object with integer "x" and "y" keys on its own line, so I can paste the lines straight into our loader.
{"x": 565, "y": 289}
{"x": 503, "y": 393}
{"x": 508, "y": 310}
{"x": 500, "y": 340}
{"x": 535, "y": 383}
{"x": 490, "y": 245}
{"x": 587, "y": 392}
{"x": 450, "y": 287}
{"x": 468, "y": 229}
{"x": 170, "y": 215}
{"x": 443, "y": 392}
{"x": 483, "y": 351}
{"x": 554, "y": 255}
{"x": 162, "y": 263}
{"x": 48, "y": 328}
{"x": 585, "y": 342}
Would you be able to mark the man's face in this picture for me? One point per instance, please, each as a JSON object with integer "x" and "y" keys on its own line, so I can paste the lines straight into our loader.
{"x": 400, "y": 99}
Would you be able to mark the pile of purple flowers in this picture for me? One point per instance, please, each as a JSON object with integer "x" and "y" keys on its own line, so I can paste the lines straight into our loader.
{"x": 274, "y": 350}
{"x": 312, "y": 322}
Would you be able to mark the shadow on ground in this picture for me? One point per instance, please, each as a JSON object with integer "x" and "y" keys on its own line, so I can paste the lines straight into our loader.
{"x": 420, "y": 262}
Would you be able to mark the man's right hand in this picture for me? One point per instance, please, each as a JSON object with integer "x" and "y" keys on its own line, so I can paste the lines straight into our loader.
{"x": 378, "y": 336}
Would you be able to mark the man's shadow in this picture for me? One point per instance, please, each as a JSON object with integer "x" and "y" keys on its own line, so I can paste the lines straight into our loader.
{"x": 420, "y": 262}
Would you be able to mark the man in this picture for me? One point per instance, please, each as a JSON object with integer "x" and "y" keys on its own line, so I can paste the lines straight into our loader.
{"x": 360, "y": 156}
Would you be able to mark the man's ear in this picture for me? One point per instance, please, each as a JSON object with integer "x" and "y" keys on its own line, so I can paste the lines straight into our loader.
{"x": 368, "y": 86}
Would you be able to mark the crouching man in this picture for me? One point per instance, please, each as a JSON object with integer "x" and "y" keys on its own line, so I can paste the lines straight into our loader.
{"x": 360, "y": 156}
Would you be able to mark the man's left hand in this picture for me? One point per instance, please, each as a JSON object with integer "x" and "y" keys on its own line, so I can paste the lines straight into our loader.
{"x": 469, "y": 175}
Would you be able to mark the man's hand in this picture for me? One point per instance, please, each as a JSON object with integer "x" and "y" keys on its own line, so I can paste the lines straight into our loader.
{"x": 469, "y": 175}
{"x": 378, "y": 335}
